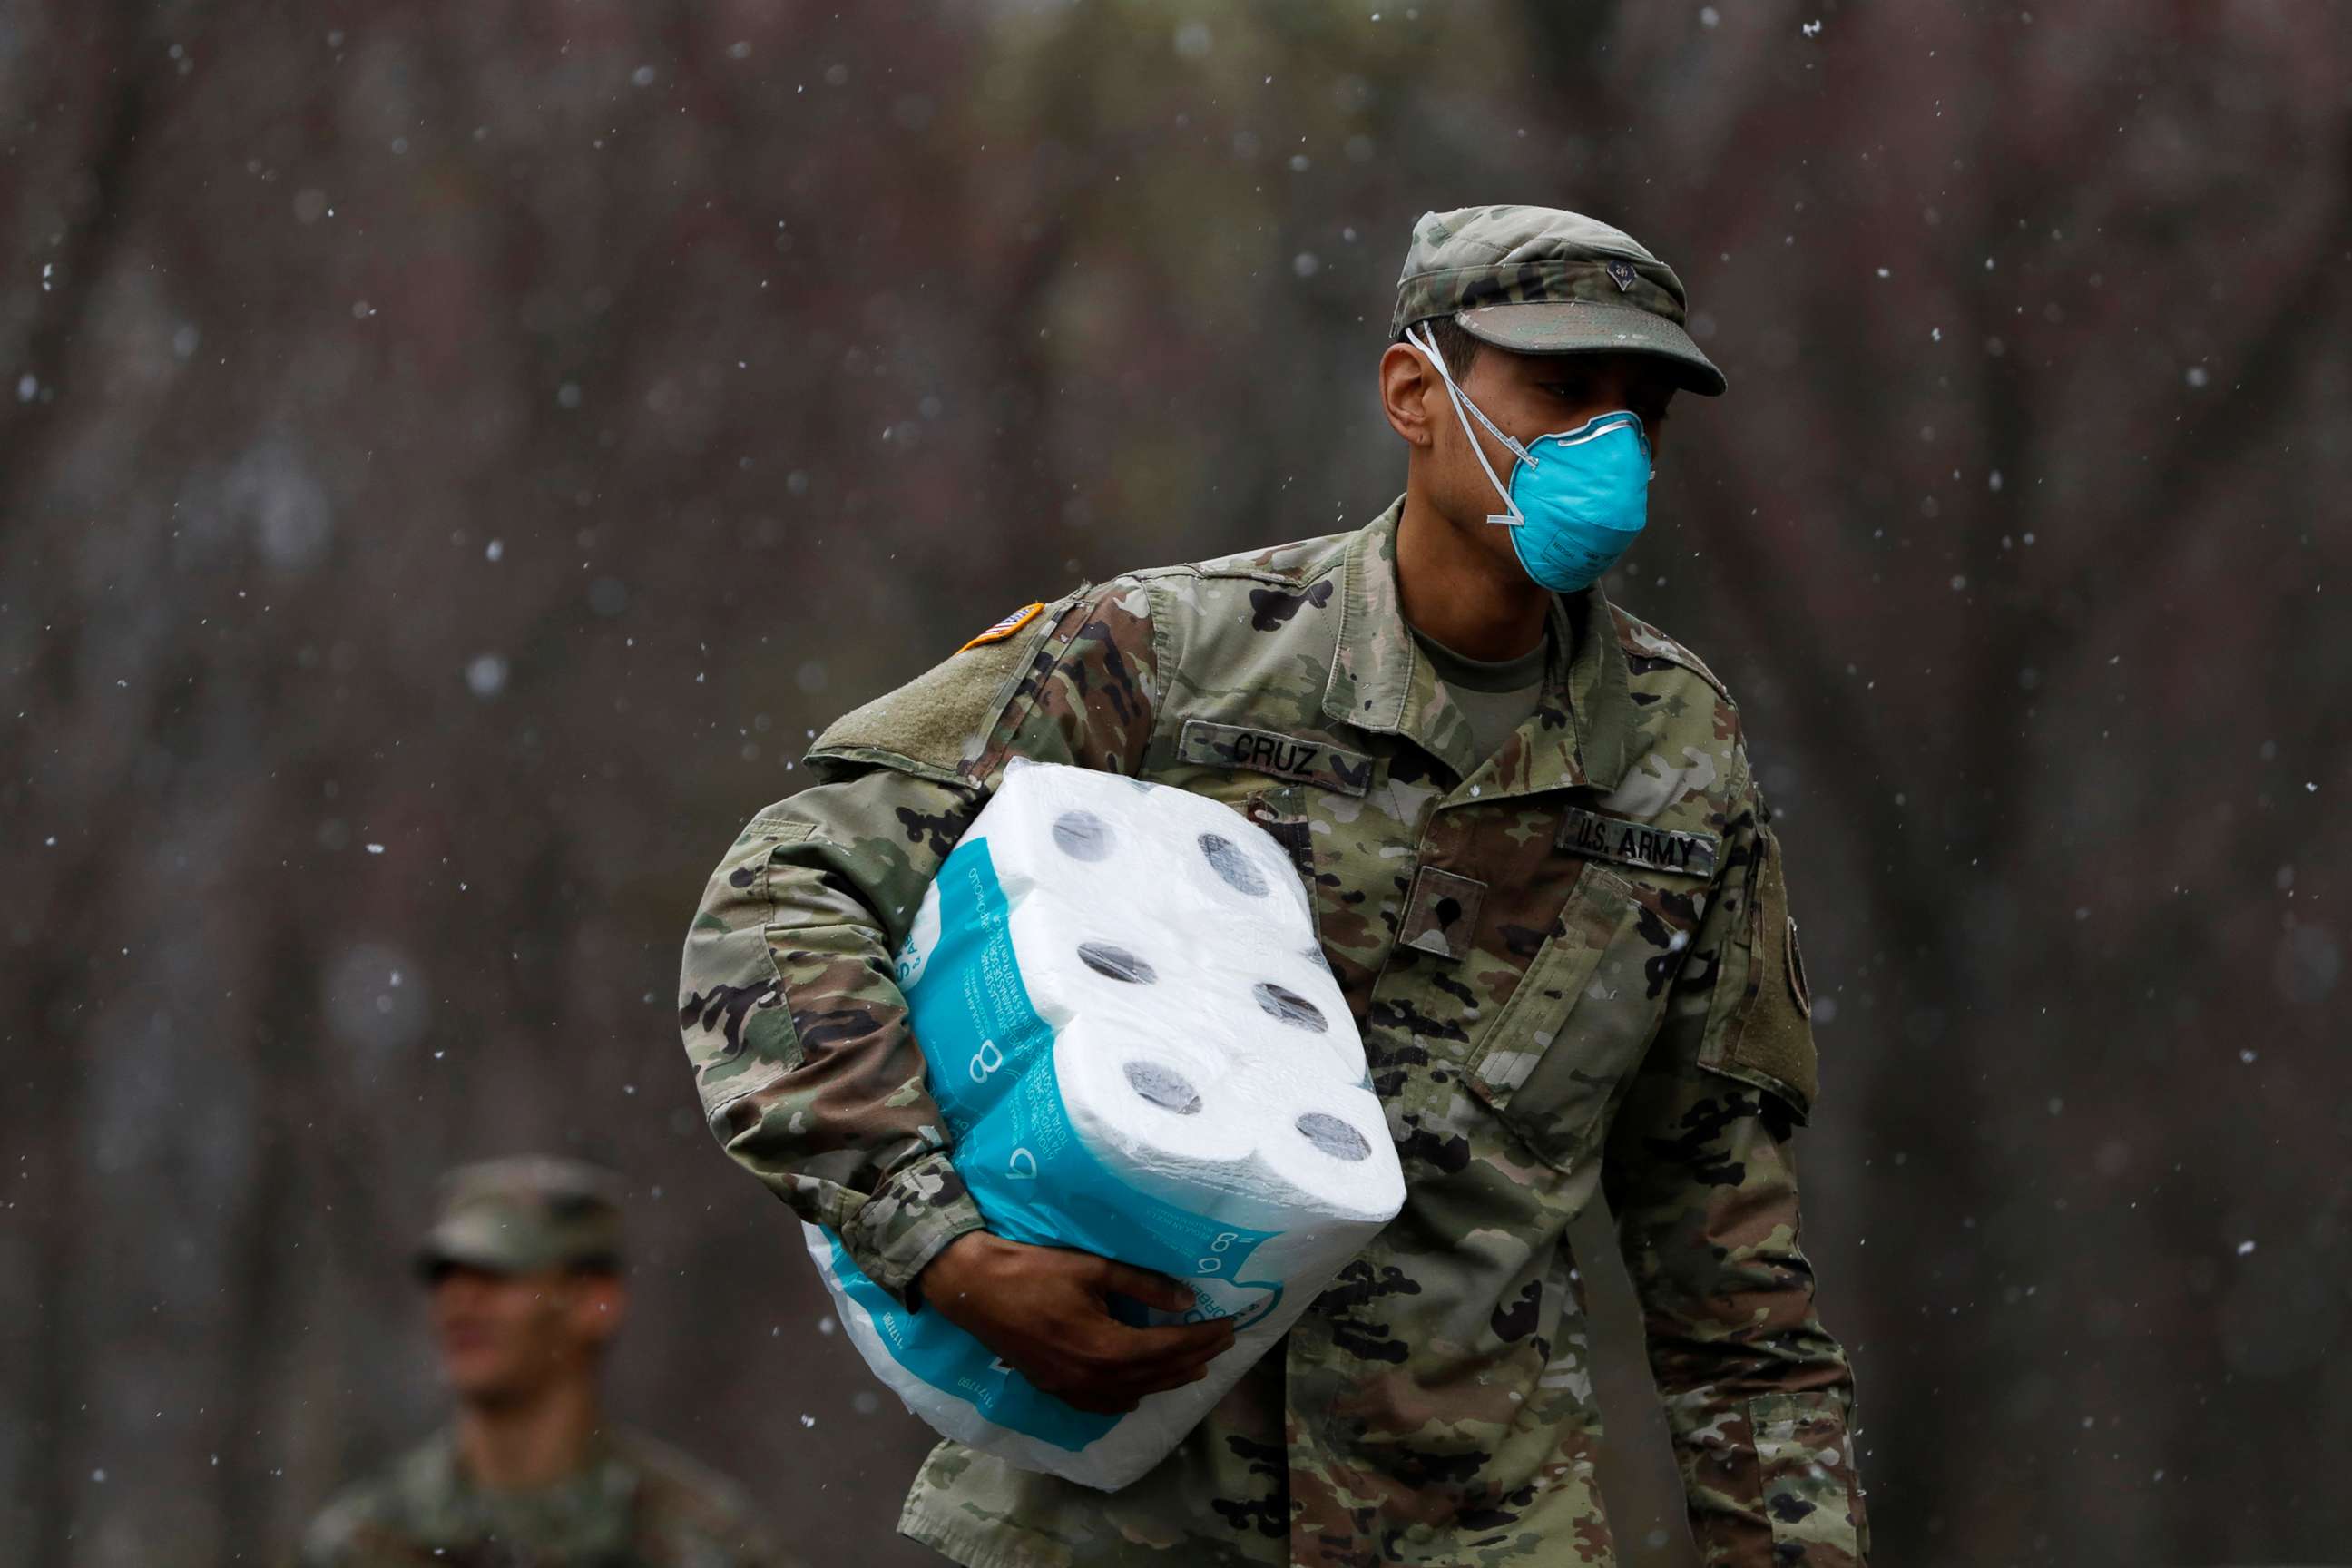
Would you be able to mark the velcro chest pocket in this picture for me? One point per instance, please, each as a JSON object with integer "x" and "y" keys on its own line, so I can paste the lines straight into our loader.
{"x": 1583, "y": 1014}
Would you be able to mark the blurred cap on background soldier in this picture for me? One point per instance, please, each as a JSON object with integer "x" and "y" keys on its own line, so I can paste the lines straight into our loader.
{"x": 523, "y": 1264}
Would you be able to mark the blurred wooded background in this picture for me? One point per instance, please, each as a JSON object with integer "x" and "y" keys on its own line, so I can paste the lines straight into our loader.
{"x": 451, "y": 456}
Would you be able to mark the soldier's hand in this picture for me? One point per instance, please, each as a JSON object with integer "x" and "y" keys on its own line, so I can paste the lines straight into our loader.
{"x": 1045, "y": 1311}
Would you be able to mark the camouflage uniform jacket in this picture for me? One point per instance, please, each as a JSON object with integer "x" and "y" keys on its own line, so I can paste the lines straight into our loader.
{"x": 1571, "y": 962}
{"x": 637, "y": 1504}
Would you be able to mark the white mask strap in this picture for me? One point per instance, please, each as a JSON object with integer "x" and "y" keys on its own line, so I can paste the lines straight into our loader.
{"x": 1510, "y": 516}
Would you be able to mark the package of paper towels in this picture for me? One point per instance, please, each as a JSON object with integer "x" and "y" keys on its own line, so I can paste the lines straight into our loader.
{"x": 1140, "y": 1053}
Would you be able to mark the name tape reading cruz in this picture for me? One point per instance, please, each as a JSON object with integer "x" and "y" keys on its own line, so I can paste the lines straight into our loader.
{"x": 1280, "y": 756}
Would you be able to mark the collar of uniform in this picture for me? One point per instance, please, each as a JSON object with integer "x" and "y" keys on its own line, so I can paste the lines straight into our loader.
{"x": 1381, "y": 681}
{"x": 1371, "y": 667}
{"x": 589, "y": 1511}
{"x": 1601, "y": 692}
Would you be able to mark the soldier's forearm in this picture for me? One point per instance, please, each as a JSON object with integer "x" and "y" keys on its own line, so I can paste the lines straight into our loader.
{"x": 1758, "y": 1393}
{"x": 790, "y": 1003}
{"x": 1770, "y": 1480}
{"x": 796, "y": 1028}
{"x": 1760, "y": 1399}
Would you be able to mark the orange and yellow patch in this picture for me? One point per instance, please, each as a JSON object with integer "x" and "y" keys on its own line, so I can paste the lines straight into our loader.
{"x": 1005, "y": 627}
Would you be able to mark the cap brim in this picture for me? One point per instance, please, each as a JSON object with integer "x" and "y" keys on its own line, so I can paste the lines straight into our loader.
{"x": 1593, "y": 326}
{"x": 477, "y": 1241}
{"x": 429, "y": 1262}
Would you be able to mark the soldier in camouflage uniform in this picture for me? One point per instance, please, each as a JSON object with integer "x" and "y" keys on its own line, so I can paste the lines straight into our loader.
{"x": 524, "y": 1264}
{"x": 1544, "y": 876}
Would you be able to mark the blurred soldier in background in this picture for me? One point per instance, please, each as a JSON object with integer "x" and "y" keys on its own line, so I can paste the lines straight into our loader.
{"x": 524, "y": 1268}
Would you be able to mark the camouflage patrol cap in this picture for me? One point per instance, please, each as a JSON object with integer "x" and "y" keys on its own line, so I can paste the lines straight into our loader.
{"x": 1542, "y": 281}
{"x": 516, "y": 1215}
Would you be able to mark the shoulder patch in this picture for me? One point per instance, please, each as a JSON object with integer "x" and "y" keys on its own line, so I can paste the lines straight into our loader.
{"x": 1640, "y": 637}
{"x": 1007, "y": 627}
{"x": 937, "y": 721}
{"x": 1759, "y": 1029}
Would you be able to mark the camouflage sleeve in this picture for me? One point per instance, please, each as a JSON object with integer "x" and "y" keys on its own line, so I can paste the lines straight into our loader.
{"x": 686, "y": 1514}
{"x": 1758, "y": 1392}
{"x": 350, "y": 1533}
{"x": 788, "y": 1000}
{"x": 320, "y": 1548}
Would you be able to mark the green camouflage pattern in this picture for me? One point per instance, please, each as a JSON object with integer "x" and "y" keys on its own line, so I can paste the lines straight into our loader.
{"x": 636, "y": 1504}
{"x": 525, "y": 1213}
{"x": 1541, "y": 1018}
{"x": 1541, "y": 280}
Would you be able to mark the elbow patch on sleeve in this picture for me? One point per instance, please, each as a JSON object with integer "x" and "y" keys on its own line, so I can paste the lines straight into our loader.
{"x": 937, "y": 724}
{"x": 1760, "y": 1028}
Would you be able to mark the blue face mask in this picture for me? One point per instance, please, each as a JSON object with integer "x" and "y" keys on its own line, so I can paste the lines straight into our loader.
{"x": 1576, "y": 500}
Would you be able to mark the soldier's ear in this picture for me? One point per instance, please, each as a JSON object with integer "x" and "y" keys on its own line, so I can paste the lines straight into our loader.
{"x": 600, "y": 1301}
{"x": 1410, "y": 394}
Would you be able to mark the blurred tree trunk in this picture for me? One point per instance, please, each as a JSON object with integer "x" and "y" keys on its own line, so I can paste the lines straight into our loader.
{"x": 111, "y": 79}
{"x": 48, "y": 1127}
